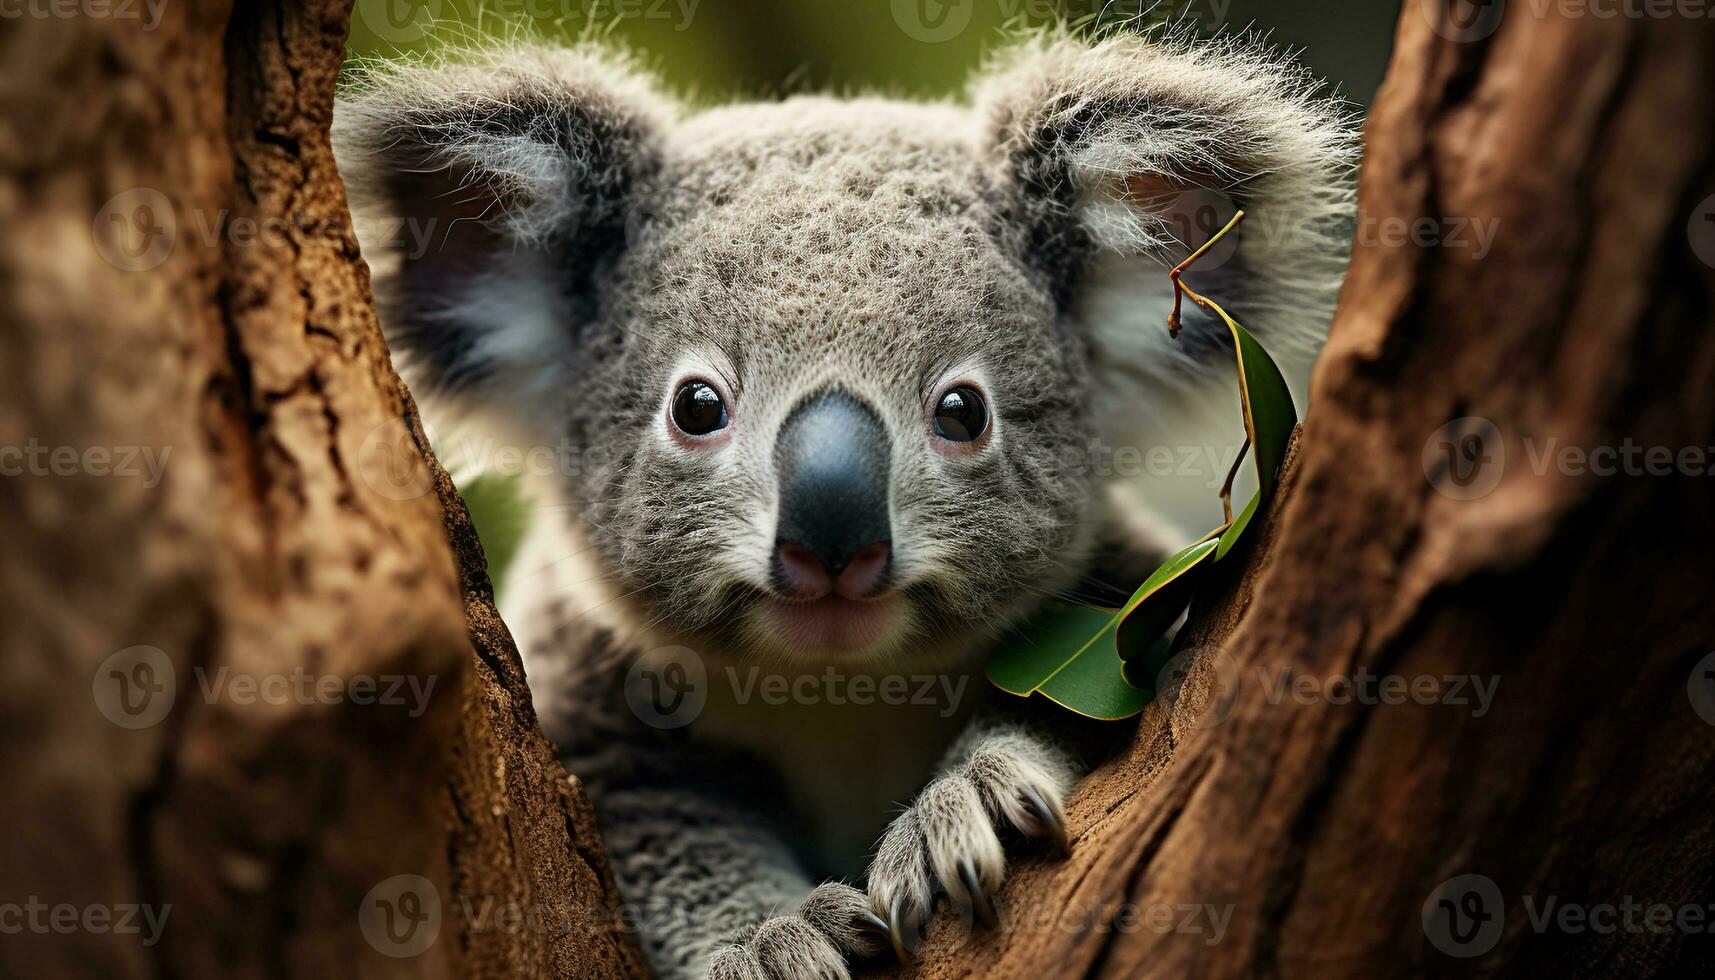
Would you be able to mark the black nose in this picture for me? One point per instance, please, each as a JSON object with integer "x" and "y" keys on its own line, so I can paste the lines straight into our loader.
{"x": 832, "y": 460}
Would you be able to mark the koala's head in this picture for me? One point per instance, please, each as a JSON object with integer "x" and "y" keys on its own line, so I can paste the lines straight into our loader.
{"x": 837, "y": 368}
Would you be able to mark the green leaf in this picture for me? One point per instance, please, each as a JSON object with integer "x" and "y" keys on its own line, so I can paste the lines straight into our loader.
{"x": 1151, "y": 610}
{"x": 1267, "y": 401}
{"x": 1230, "y": 536}
{"x": 1062, "y": 656}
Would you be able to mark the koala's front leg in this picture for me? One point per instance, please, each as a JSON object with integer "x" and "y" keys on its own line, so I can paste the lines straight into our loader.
{"x": 1003, "y": 772}
{"x": 722, "y": 896}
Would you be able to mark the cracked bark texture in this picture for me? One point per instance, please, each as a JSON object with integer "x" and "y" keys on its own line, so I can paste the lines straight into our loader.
{"x": 178, "y": 276}
{"x": 1326, "y": 828}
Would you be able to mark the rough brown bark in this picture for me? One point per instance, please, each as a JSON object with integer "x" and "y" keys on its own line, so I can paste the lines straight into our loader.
{"x": 1326, "y": 828}
{"x": 178, "y": 272}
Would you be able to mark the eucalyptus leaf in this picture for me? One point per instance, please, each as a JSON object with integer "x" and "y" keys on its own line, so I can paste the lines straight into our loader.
{"x": 1066, "y": 654}
{"x": 1151, "y": 610}
{"x": 1268, "y": 409}
{"x": 1230, "y": 536}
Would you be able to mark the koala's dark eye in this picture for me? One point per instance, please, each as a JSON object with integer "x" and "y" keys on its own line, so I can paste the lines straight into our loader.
{"x": 698, "y": 409}
{"x": 961, "y": 415}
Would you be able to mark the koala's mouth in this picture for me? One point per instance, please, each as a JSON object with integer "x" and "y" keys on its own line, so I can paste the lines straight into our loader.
{"x": 834, "y": 623}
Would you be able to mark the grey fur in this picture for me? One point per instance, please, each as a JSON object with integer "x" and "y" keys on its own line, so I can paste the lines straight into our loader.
{"x": 599, "y": 242}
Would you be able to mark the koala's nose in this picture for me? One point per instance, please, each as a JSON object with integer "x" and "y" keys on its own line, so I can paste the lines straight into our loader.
{"x": 832, "y": 457}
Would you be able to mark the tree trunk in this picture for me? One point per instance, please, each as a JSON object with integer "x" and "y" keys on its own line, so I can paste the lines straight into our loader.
{"x": 245, "y": 733}
{"x": 1336, "y": 837}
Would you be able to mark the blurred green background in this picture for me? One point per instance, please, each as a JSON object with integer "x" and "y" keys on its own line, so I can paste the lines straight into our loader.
{"x": 721, "y": 49}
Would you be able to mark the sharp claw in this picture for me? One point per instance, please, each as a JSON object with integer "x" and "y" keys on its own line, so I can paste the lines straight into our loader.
{"x": 1048, "y": 819}
{"x": 980, "y": 902}
{"x": 875, "y": 922}
{"x": 895, "y": 934}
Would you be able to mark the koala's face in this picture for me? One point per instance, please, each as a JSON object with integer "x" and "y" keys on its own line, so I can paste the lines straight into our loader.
{"x": 841, "y": 412}
{"x": 838, "y": 360}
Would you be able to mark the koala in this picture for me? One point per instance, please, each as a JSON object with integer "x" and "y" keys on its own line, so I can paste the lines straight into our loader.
{"x": 833, "y": 368}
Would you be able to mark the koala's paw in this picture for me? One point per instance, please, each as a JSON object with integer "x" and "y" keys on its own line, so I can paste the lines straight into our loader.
{"x": 833, "y": 925}
{"x": 949, "y": 838}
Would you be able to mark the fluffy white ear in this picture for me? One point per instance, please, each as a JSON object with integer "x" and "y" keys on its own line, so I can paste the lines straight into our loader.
{"x": 1127, "y": 153}
{"x": 490, "y": 191}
